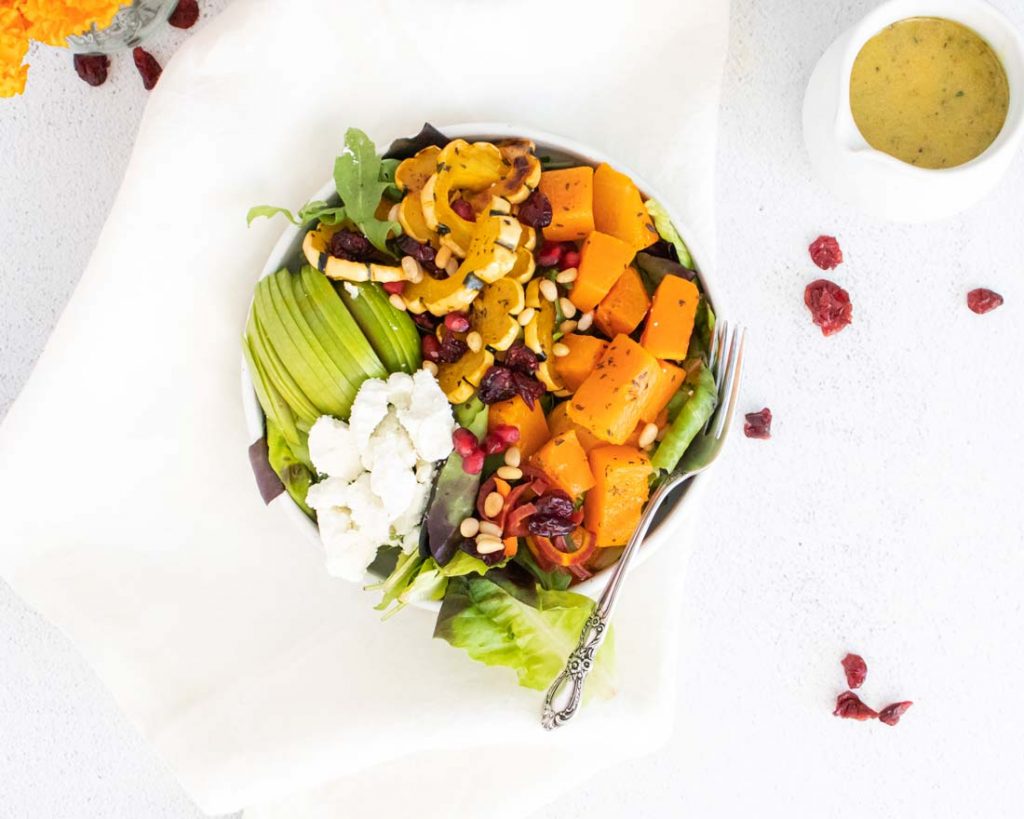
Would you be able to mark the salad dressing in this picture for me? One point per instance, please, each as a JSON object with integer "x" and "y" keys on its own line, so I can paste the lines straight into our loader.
{"x": 930, "y": 92}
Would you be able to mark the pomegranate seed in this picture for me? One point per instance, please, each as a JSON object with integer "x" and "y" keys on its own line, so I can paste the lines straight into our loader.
{"x": 856, "y": 670}
{"x": 494, "y": 444}
{"x": 571, "y": 258}
{"x": 849, "y": 706}
{"x": 465, "y": 442}
{"x": 891, "y": 714}
{"x": 464, "y": 209}
{"x": 473, "y": 463}
{"x": 550, "y": 254}
{"x": 185, "y": 14}
{"x": 507, "y": 433}
{"x": 148, "y": 67}
{"x": 982, "y": 300}
{"x": 92, "y": 68}
{"x": 431, "y": 348}
{"x": 457, "y": 322}
{"x": 394, "y": 288}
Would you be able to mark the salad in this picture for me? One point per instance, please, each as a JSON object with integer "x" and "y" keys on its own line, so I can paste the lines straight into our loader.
{"x": 472, "y": 375}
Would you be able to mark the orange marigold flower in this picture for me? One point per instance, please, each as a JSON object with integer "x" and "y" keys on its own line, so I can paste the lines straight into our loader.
{"x": 13, "y": 48}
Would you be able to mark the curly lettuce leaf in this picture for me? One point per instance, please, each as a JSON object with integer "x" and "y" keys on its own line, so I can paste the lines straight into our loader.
{"x": 415, "y": 578}
{"x": 358, "y": 177}
{"x": 531, "y": 631}
{"x": 701, "y": 398}
{"x": 667, "y": 231}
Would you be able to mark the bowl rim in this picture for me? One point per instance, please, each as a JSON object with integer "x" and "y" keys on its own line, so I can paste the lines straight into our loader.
{"x": 254, "y": 418}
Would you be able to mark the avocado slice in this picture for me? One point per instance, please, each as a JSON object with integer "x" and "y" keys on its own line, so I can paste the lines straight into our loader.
{"x": 391, "y": 332}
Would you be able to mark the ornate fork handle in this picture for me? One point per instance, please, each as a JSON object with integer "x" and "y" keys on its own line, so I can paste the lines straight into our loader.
{"x": 574, "y": 675}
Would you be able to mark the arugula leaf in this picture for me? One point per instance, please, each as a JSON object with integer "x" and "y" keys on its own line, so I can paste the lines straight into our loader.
{"x": 266, "y": 211}
{"x": 668, "y": 232}
{"x": 530, "y": 631}
{"x": 357, "y": 177}
{"x": 388, "y": 167}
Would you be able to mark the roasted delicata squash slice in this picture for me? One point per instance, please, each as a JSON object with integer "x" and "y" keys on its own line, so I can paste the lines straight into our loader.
{"x": 533, "y": 296}
{"x": 461, "y": 166}
{"x": 492, "y": 250}
{"x": 442, "y": 296}
{"x": 411, "y": 176}
{"x": 315, "y": 249}
{"x": 525, "y": 264}
{"x": 494, "y": 313}
{"x": 520, "y": 175}
{"x": 460, "y": 379}
{"x": 539, "y": 336}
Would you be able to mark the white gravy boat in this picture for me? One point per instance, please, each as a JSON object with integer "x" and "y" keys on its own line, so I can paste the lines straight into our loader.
{"x": 877, "y": 183}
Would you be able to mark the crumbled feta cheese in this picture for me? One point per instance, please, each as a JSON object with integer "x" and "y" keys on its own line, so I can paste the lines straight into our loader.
{"x": 368, "y": 410}
{"x": 332, "y": 449}
{"x": 351, "y": 289}
{"x": 400, "y": 389}
{"x": 428, "y": 418}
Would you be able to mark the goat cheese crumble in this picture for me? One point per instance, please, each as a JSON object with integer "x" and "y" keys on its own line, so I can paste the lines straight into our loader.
{"x": 378, "y": 468}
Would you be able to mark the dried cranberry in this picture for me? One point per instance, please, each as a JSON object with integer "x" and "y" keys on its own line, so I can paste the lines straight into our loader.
{"x": 826, "y": 253}
{"x": 891, "y": 714}
{"x": 856, "y": 670}
{"x": 571, "y": 258}
{"x": 508, "y": 433}
{"x": 420, "y": 251}
{"x": 431, "y": 348}
{"x": 496, "y": 385}
{"x": 92, "y": 68}
{"x": 982, "y": 300}
{"x": 452, "y": 349}
{"x": 393, "y": 288}
{"x": 550, "y": 254}
{"x": 535, "y": 210}
{"x": 473, "y": 463}
{"x": 529, "y": 389}
{"x": 426, "y": 322}
{"x": 849, "y": 706}
{"x": 557, "y": 504}
{"x": 148, "y": 67}
{"x": 521, "y": 359}
{"x": 185, "y": 14}
{"x": 464, "y": 442}
{"x": 758, "y": 424}
{"x": 457, "y": 322}
{"x": 549, "y": 525}
{"x": 829, "y": 304}
{"x": 464, "y": 209}
{"x": 351, "y": 245}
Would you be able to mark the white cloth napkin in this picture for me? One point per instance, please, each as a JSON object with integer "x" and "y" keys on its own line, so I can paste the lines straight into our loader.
{"x": 130, "y": 517}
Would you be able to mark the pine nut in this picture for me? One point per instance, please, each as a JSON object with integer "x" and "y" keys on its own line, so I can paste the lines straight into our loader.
{"x": 452, "y": 267}
{"x": 475, "y": 341}
{"x": 509, "y": 473}
{"x": 430, "y": 367}
{"x": 561, "y": 350}
{"x": 393, "y": 213}
{"x": 513, "y": 456}
{"x": 526, "y": 316}
{"x": 567, "y": 275}
{"x": 396, "y": 301}
{"x": 585, "y": 321}
{"x": 411, "y": 268}
{"x": 567, "y": 327}
{"x": 568, "y": 308}
{"x": 418, "y": 275}
{"x": 648, "y": 435}
{"x": 488, "y": 528}
{"x": 549, "y": 290}
{"x": 488, "y": 544}
{"x": 443, "y": 256}
{"x": 493, "y": 505}
{"x": 470, "y": 527}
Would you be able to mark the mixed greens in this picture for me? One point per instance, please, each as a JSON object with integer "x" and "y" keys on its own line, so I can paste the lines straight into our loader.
{"x": 474, "y": 376}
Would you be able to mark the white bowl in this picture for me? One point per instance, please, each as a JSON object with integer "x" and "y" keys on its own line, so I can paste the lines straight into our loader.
{"x": 288, "y": 251}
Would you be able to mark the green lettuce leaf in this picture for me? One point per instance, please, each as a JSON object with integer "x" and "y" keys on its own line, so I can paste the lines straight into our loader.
{"x": 701, "y": 398}
{"x": 531, "y": 631}
{"x": 293, "y": 469}
{"x": 415, "y": 578}
{"x": 557, "y": 578}
{"x": 668, "y": 232}
{"x": 358, "y": 178}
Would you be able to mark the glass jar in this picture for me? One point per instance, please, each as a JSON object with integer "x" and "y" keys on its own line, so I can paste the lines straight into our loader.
{"x": 131, "y": 27}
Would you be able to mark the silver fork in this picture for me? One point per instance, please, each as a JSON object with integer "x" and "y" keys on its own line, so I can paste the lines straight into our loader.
{"x": 725, "y": 361}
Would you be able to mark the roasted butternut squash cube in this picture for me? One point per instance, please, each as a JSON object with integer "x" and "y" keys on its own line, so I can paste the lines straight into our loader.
{"x": 565, "y": 463}
{"x": 584, "y": 353}
{"x": 670, "y": 379}
{"x": 619, "y": 209}
{"x": 612, "y": 508}
{"x": 670, "y": 321}
{"x": 571, "y": 194}
{"x": 531, "y": 423}
{"x": 625, "y": 306}
{"x": 603, "y": 259}
{"x": 559, "y": 422}
{"x": 610, "y": 401}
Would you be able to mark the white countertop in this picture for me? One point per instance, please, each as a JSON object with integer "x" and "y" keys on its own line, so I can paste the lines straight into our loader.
{"x": 883, "y": 517}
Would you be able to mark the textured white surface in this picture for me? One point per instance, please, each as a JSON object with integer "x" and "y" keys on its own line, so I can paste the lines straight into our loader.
{"x": 883, "y": 517}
